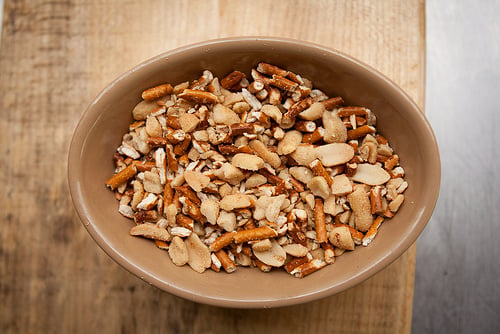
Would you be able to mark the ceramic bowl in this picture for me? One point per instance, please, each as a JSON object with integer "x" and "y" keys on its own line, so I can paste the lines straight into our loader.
{"x": 102, "y": 125}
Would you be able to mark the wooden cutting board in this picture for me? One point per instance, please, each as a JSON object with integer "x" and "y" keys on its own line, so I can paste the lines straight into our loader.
{"x": 56, "y": 56}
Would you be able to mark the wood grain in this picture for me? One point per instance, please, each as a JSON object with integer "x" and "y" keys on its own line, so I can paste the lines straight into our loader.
{"x": 56, "y": 56}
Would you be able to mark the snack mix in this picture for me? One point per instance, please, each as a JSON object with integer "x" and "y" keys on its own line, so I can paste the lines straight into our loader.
{"x": 257, "y": 171}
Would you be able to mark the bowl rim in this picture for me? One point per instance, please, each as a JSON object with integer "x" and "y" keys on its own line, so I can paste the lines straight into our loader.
{"x": 90, "y": 115}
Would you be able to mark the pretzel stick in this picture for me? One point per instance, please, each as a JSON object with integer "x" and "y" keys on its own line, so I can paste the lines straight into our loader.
{"x": 122, "y": 176}
{"x": 360, "y": 132}
{"x": 222, "y": 241}
{"x": 143, "y": 166}
{"x": 318, "y": 169}
{"x": 372, "y": 231}
{"x": 226, "y": 261}
{"x": 157, "y": 92}
{"x": 258, "y": 233}
{"x": 348, "y": 111}
{"x": 308, "y": 268}
{"x": 319, "y": 218}
{"x": 314, "y": 137}
{"x": 333, "y": 103}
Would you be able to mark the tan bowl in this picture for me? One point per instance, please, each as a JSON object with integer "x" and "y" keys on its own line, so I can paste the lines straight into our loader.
{"x": 102, "y": 125}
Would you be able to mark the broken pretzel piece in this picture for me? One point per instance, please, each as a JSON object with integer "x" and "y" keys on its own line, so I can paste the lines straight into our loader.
{"x": 308, "y": 268}
{"x": 262, "y": 171}
{"x": 157, "y": 92}
{"x": 226, "y": 262}
{"x": 198, "y": 96}
{"x": 319, "y": 218}
{"x": 372, "y": 231}
{"x": 121, "y": 177}
{"x": 232, "y": 80}
{"x": 222, "y": 241}
{"x": 360, "y": 132}
{"x": 258, "y": 233}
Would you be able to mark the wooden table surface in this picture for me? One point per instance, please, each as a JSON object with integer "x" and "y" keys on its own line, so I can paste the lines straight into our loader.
{"x": 55, "y": 56}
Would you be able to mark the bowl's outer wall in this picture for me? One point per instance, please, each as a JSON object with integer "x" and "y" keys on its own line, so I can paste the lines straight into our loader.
{"x": 100, "y": 130}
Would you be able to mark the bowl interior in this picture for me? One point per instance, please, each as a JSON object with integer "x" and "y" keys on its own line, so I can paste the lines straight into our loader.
{"x": 105, "y": 121}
